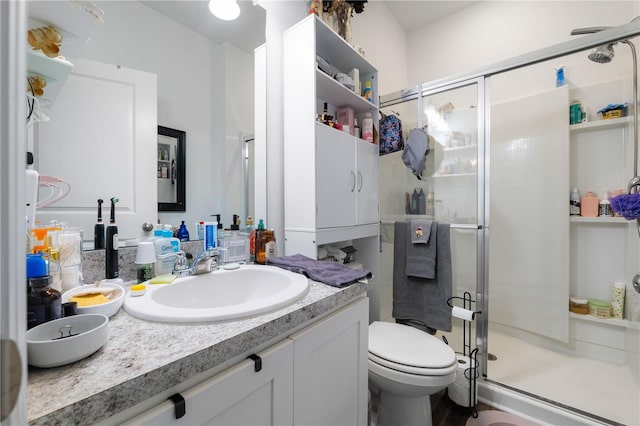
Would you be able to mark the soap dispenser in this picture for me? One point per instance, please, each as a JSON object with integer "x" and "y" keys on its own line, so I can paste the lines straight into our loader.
{"x": 183, "y": 232}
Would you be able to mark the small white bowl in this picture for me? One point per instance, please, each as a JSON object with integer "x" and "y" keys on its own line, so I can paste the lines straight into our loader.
{"x": 66, "y": 340}
{"x": 109, "y": 308}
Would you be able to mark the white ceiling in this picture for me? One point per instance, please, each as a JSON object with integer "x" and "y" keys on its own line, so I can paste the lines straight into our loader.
{"x": 247, "y": 32}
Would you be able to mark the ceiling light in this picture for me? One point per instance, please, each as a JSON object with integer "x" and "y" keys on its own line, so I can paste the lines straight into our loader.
{"x": 227, "y": 10}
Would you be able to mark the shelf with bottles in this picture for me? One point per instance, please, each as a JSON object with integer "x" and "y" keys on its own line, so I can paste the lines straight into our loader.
{"x": 599, "y": 219}
{"x": 336, "y": 94}
{"x": 607, "y": 321}
{"x": 600, "y": 124}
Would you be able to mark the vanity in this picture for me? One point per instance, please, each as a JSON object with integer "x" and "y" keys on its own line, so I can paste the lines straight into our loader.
{"x": 305, "y": 363}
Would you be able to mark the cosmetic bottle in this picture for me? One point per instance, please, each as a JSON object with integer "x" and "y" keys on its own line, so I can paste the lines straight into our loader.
{"x": 183, "y": 232}
{"x": 265, "y": 246}
{"x": 422, "y": 206}
{"x": 210, "y": 236}
{"x": 604, "y": 208}
{"x": 367, "y": 127}
{"x": 253, "y": 238}
{"x": 589, "y": 205}
{"x": 163, "y": 249}
{"x": 574, "y": 202}
{"x": 430, "y": 207}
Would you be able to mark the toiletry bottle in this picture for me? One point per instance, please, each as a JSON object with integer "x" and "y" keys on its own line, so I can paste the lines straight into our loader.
{"x": 253, "y": 238}
{"x": 367, "y": 127}
{"x": 422, "y": 206}
{"x": 111, "y": 253}
{"x": 414, "y": 201}
{"x": 183, "y": 232}
{"x": 200, "y": 230}
{"x": 560, "y": 81}
{"x": 210, "y": 236}
{"x": 367, "y": 93}
{"x": 356, "y": 129}
{"x": 98, "y": 230}
{"x": 430, "y": 203}
{"x": 574, "y": 202}
{"x": 163, "y": 247}
{"x": 265, "y": 246}
{"x": 43, "y": 302}
{"x": 251, "y": 232}
{"x": 589, "y": 205}
{"x": 604, "y": 208}
{"x": 174, "y": 241}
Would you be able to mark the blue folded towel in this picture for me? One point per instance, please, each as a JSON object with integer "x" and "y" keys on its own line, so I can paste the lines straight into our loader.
{"x": 331, "y": 273}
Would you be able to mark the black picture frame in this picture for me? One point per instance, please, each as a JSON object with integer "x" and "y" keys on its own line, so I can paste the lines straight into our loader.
{"x": 171, "y": 159}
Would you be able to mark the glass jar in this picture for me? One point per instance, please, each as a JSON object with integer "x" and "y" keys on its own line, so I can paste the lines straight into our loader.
{"x": 43, "y": 302}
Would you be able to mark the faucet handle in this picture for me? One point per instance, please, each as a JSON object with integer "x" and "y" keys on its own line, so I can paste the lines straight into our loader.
{"x": 181, "y": 263}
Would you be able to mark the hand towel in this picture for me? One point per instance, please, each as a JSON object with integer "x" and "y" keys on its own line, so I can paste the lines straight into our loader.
{"x": 421, "y": 231}
{"x": 421, "y": 302}
{"x": 421, "y": 258}
{"x": 330, "y": 273}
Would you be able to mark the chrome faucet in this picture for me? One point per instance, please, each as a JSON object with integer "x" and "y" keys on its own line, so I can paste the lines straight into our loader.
{"x": 204, "y": 262}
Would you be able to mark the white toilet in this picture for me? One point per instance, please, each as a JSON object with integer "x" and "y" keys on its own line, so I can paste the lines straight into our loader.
{"x": 407, "y": 366}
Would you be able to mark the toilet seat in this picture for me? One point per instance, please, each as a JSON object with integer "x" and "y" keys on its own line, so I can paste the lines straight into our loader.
{"x": 408, "y": 350}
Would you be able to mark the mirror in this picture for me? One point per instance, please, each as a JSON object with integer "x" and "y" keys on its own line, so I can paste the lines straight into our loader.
{"x": 171, "y": 169}
{"x": 204, "y": 79}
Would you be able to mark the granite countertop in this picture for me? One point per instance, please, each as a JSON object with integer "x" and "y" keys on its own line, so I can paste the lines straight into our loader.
{"x": 141, "y": 359}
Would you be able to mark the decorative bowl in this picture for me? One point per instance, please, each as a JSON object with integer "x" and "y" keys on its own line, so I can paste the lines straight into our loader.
{"x": 66, "y": 340}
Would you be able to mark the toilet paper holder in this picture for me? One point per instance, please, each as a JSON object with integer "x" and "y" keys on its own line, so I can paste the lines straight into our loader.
{"x": 467, "y": 314}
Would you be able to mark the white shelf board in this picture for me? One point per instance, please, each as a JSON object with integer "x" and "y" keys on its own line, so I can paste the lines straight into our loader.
{"x": 340, "y": 96}
{"x": 452, "y": 175}
{"x": 600, "y": 124}
{"x": 609, "y": 321}
{"x": 460, "y": 148}
{"x": 54, "y": 70}
{"x": 613, "y": 220}
{"x": 338, "y": 52}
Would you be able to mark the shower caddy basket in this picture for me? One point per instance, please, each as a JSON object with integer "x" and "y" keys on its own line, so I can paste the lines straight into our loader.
{"x": 470, "y": 373}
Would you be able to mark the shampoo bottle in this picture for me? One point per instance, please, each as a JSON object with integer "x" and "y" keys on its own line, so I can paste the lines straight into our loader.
{"x": 574, "y": 202}
{"x": 111, "y": 253}
{"x": 589, "y": 205}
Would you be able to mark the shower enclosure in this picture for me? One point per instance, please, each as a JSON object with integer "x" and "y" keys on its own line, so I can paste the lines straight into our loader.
{"x": 502, "y": 164}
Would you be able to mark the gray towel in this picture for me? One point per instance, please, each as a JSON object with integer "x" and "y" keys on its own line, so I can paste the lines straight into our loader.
{"x": 331, "y": 273}
{"x": 422, "y": 302}
{"x": 420, "y": 230}
{"x": 421, "y": 258}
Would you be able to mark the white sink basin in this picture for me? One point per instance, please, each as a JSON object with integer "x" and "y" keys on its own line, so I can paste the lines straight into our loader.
{"x": 219, "y": 295}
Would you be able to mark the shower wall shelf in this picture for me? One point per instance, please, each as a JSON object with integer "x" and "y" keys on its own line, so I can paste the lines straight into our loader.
{"x": 600, "y": 124}
{"x": 608, "y": 321}
{"x": 611, "y": 220}
{"x": 442, "y": 175}
{"x": 460, "y": 148}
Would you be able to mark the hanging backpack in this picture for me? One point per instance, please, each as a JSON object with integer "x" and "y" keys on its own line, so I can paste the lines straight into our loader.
{"x": 391, "y": 139}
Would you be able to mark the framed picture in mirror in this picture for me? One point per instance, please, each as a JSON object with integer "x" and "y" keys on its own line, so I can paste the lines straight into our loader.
{"x": 171, "y": 169}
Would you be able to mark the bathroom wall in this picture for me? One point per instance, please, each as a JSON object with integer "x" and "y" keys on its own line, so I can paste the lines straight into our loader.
{"x": 136, "y": 36}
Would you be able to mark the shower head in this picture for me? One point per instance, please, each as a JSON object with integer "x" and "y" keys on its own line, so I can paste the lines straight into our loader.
{"x": 602, "y": 54}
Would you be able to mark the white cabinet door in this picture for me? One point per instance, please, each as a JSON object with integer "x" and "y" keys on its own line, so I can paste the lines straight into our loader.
{"x": 238, "y": 396}
{"x": 366, "y": 182}
{"x": 111, "y": 139}
{"x": 330, "y": 369}
{"x": 336, "y": 179}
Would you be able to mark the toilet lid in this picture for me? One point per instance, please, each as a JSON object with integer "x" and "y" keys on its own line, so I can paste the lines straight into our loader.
{"x": 405, "y": 345}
